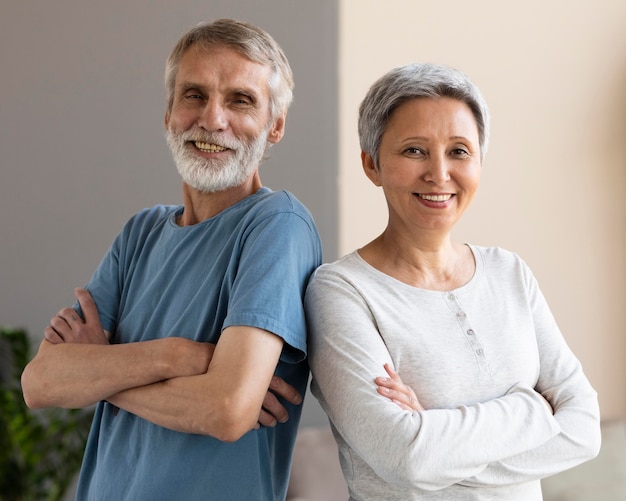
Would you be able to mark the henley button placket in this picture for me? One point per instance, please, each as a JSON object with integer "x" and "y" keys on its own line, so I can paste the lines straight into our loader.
{"x": 470, "y": 334}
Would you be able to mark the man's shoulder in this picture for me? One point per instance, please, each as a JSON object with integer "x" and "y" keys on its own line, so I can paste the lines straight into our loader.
{"x": 152, "y": 215}
{"x": 270, "y": 203}
{"x": 281, "y": 200}
{"x": 159, "y": 211}
{"x": 147, "y": 219}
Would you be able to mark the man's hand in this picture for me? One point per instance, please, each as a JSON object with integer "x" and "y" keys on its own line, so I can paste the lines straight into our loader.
{"x": 68, "y": 327}
{"x": 394, "y": 389}
{"x": 273, "y": 411}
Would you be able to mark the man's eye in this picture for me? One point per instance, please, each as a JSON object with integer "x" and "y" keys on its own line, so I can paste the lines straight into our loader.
{"x": 242, "y": 101}
{"x": 460, "y": 152}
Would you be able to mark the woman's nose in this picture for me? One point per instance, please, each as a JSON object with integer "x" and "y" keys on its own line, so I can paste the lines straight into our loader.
{"x": 438, "y": 172}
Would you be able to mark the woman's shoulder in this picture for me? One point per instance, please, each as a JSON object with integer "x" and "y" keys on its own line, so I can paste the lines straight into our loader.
{"x": 346, "y": 264}
{"x": 499, "y": 260}
{"x": 351, "y": 273}
{"x": 495, "y": 253}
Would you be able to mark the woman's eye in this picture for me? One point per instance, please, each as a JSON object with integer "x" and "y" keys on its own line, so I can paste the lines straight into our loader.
{"x": 460, "y": 152}
{"x": 413, "y": 151}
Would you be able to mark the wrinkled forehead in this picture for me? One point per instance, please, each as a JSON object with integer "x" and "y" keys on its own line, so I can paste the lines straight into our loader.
{"x": 222, "y": 66}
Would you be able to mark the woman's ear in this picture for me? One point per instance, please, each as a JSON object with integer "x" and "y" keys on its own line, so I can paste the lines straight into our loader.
{"x": 369, "y": 167}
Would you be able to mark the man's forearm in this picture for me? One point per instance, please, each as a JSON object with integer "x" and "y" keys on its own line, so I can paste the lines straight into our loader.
{"x": 225, "y": 401}
{"x": 75, "y": 375}
{"x": 174, "y": 404}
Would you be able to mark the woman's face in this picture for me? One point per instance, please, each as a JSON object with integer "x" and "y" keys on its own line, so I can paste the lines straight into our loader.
{"x": 429, "y": 164}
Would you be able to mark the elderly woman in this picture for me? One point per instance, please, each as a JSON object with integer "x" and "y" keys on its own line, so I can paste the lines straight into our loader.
{"x": 439, "y": 364}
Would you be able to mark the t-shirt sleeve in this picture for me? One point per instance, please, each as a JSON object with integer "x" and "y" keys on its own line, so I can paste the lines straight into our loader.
{"x": 279, "y": 253}
{"x": 106, "y": 285}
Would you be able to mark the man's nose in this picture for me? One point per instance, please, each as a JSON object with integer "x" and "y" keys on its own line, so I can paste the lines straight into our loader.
{"x": 213, "y": 117}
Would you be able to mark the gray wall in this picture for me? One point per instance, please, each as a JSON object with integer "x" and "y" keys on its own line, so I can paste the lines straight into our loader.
{"x": 81, "y": 132}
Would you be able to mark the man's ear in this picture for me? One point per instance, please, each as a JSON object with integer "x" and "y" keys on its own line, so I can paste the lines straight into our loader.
{"x": 166, "y": 121}
{"x": 277, "y": 131}
{"x": 370, "y": 168}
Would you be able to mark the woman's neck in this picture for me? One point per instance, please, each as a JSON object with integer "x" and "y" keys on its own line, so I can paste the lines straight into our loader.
{"x": 428, "y": 262}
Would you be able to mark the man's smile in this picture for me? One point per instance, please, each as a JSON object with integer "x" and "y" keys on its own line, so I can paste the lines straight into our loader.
{"x": 209, "y": 147}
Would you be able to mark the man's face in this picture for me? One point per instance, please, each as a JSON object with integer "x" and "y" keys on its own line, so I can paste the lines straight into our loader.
{"x": 219, "y": 125}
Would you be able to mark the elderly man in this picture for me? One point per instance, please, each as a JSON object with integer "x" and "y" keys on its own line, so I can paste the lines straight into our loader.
{"x": 196, "y": 310}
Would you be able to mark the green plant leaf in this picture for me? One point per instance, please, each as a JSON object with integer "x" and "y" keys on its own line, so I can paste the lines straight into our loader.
{"x": 40, "y": 451}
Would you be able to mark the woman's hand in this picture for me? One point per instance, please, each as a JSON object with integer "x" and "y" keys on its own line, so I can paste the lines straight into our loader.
{"x": 395, "y": 390}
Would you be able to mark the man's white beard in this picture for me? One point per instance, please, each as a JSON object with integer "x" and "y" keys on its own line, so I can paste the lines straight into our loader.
{"x": 211, "y": 176}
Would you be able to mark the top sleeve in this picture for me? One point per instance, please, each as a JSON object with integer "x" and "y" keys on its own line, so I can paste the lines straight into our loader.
{"x": 278, "y": 256}
{"x": 107, "y": 283}
{"x": 105, "y": 286}
{"x": 430, "y": 450}
{"x": 563, "y": 383}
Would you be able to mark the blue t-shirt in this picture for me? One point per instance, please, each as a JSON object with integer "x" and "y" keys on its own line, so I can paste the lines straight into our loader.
{"x": 248, "y": 265}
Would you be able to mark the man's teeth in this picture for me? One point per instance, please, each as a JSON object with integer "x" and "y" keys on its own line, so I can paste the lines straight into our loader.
{"x": 210, "y": 147}
{"x": 435, "y": 198}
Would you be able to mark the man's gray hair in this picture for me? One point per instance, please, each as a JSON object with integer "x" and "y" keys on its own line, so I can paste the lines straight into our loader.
{"x": 250, "y": 41}
{"x": 420, "y": 80}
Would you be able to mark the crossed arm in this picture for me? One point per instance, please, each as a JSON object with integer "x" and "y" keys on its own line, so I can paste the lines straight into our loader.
{"x": 218, "y": 390}
{"x": 540, "y": 428}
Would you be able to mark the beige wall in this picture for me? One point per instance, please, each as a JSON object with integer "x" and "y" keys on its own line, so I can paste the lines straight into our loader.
{"x": 554, "y": 76}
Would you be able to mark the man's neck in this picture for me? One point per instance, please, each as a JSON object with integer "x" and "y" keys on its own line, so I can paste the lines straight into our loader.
{"x": 200, "y": 206}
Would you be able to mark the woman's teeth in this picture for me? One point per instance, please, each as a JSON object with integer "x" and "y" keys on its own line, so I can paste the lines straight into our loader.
{"x": 435, "y": 198}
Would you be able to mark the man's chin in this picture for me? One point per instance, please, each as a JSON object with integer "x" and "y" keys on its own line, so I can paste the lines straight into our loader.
{"x": 211, "y": 187}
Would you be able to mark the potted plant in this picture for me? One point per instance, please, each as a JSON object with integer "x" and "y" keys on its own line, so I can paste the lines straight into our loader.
{"x": 40, "y": 450}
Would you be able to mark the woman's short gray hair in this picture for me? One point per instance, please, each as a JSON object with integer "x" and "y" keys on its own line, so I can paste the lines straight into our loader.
{"x": 416, "y": 81}
{"x": 250, "y": 41}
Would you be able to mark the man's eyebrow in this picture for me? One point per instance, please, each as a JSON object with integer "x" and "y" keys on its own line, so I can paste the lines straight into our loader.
{"x": 246, "y": 91}
{"x": 184, "y": 86}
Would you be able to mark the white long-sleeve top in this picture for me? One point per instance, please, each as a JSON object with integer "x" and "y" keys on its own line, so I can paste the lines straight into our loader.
{"x": 478, "y": 357}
